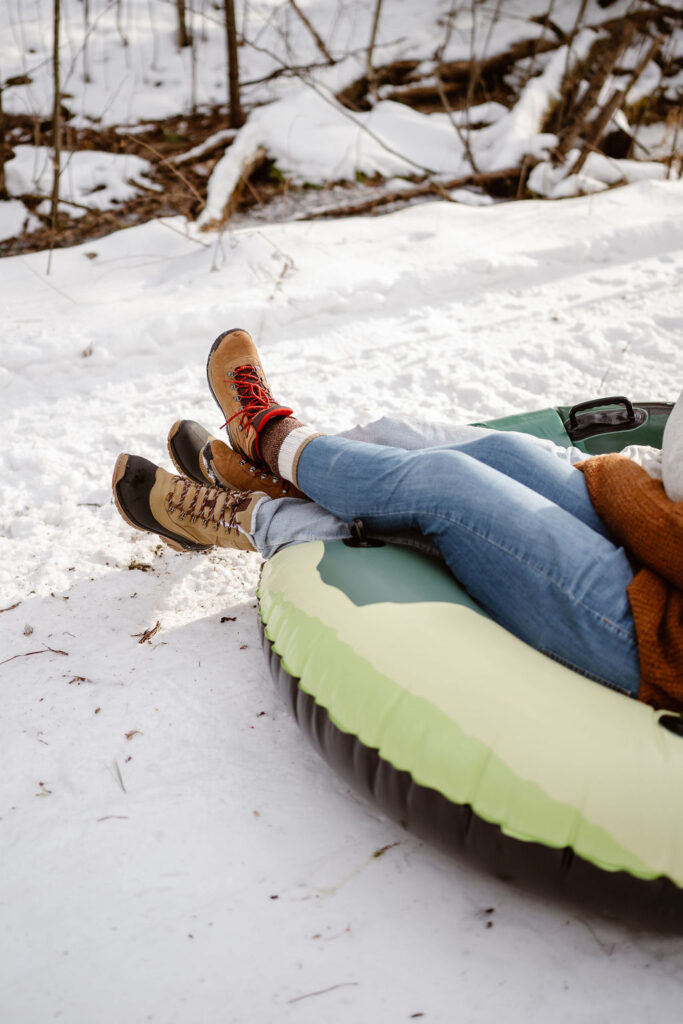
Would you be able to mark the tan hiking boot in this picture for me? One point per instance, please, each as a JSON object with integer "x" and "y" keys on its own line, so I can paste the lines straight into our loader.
{"x": 205, "y": 459}
{"x": 186, "y": 515}
{"x": 238, "y": 384}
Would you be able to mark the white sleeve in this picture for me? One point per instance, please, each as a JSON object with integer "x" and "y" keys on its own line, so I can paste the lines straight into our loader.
{"x": 672, "y": 453}
{"x": 646, "y": 456}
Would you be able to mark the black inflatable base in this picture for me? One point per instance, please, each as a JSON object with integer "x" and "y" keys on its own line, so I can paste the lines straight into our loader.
{"x": 455, "y": 828}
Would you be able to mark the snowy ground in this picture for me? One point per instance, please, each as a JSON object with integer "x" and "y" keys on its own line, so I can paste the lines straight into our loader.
{"x": 172, "y": 850}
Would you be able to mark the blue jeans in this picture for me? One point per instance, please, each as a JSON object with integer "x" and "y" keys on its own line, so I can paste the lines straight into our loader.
{"x": 514, "y": 524}
{"x": 282, "y": 522}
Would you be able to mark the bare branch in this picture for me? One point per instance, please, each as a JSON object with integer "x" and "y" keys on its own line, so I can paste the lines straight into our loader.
{"x": 404, "y": 195}
{"x": 311, "y": 28}
{"x": 604, "y": 117}
{"x": 598, "y": 77}
{"x": 168, "y": 163}
{"x": 464, "y": 137}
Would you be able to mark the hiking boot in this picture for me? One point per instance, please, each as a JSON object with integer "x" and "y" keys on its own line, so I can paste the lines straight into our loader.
{"x": 188, "y": 516}
{"x": 240, "y": 388}
{"x": 205, "y": 459}
{"x": 185, "y": 442}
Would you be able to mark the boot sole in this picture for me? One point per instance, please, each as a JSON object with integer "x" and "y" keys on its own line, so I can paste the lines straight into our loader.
{"x": 176, "y": 458}
{"x": 118, "y": 475}
{"x": 213, "y": 348}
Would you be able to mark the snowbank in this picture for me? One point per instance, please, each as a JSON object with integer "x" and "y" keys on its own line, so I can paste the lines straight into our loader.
{"x": 598, "y": 173}
{"x": 97, "y": 181}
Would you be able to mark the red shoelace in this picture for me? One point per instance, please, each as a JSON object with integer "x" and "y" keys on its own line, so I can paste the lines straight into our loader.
{"x": 254, "y": 395}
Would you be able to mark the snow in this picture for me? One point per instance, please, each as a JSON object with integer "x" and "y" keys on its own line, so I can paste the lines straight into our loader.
{"x": 173, "y": 850}
{"x": 90, "y": 179}
{"x": 13, "y": 218}
{"x": 599, "y": 172}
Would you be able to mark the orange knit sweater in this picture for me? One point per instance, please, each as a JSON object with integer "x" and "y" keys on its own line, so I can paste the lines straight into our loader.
{"x": 650, "y": 526}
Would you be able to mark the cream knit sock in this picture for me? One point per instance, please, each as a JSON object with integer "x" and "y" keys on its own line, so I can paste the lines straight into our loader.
{"x": 281, "y": 443}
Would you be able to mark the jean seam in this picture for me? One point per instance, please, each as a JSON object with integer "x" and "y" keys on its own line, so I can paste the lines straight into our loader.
{"x": 594, "y": 677}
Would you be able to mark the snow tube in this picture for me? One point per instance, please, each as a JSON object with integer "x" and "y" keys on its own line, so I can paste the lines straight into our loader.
{"x": 469, "y": 737}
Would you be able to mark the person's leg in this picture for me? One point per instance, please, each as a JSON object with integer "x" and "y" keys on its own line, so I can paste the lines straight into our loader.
{"x": 519, "y": 458}
{"x": 536, "y": 568}
{"x": 280, "y": 522}
{"x": 415, "y": 434}
{"x": 535, "y": 462}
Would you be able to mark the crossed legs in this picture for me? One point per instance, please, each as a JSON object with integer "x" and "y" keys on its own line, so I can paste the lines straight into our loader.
{"x": 523, "y": 539}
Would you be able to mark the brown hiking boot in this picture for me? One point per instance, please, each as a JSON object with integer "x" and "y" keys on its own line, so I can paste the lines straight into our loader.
{"x": 239, "y": 386}
{"x": 186, "y": 515}
{"x": 205, "y": 459}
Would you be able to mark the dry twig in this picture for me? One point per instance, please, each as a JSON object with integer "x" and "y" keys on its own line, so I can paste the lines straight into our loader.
{"x": 28, "y": 654}
{"x": 168, "y": 163}
{"x": 148, "y": 633}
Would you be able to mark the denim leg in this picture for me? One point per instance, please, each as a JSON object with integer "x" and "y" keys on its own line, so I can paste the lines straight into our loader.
{"x": 536, "y": 568}
{"x": 279, "y": 522}
{"x": 523, "y": 460}
{"x": 418, "y": 434}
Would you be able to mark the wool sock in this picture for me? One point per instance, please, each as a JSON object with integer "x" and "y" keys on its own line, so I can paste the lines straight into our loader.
{"x": 281, "y": 442}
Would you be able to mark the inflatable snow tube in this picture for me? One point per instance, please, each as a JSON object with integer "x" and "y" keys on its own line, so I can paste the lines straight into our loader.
{"x": 469, "y": 737}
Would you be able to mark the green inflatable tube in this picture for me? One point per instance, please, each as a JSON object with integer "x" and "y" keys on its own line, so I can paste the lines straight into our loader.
{"x": 468, "y": 736}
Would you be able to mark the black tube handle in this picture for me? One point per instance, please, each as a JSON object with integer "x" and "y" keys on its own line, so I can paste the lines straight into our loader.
{"x": 359, "y": 536}
{"x": 596, "y": 403}
{"x": 674, "y": 724}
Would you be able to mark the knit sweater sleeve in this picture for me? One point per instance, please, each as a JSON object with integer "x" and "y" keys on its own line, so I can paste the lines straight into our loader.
{"x": 638, "y": 512}
{"x": 672, "y": 453}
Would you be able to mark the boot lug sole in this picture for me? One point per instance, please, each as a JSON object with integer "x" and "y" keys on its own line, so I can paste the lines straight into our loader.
{"x": 177, "y": 461}
{"x": 219, "y": 339}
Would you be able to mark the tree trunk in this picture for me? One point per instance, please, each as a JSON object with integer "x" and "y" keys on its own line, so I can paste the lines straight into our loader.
{"x": 371, "y": 46}
{"x": 236, "y": 115}
{"x": 86, "y": 34}
{"x": 56, "y": 122}
{"x": 183, "y": 34}
{"x": 3, "y": 153}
